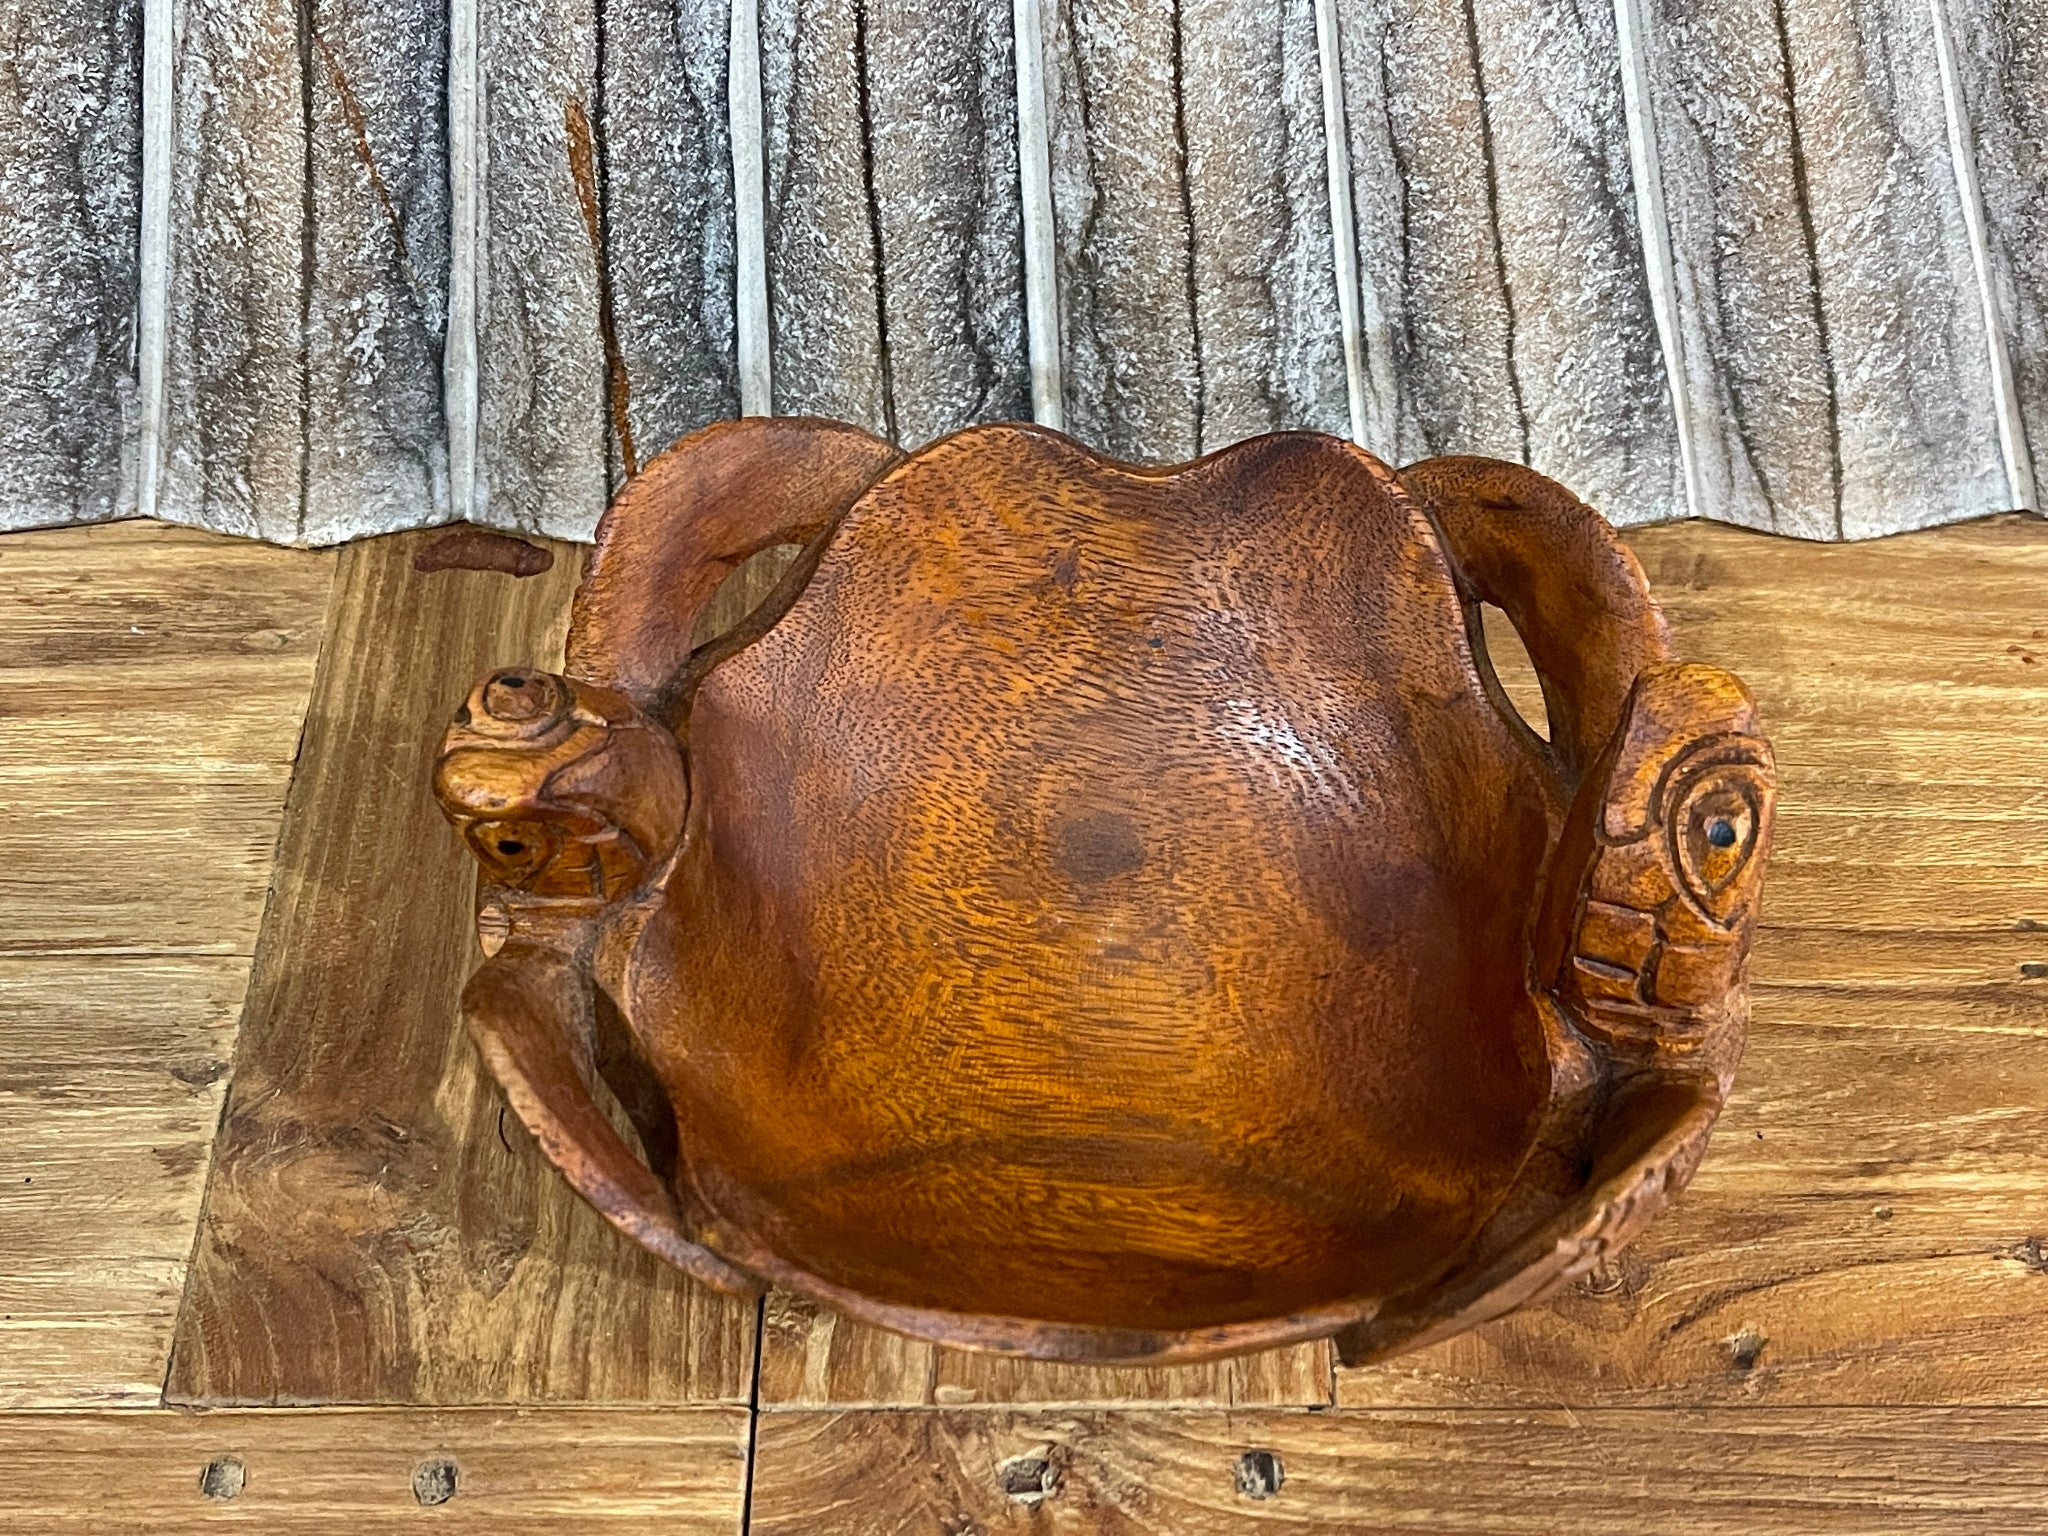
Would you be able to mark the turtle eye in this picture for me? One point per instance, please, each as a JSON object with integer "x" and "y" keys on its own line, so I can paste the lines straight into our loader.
{"x": 1715, "y": 836}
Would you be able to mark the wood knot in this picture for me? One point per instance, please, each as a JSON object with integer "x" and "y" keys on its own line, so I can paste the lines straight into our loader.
{"x": 223, "y": 1477}
{"x": 1259, "y": 1474}
{"x": 1745, "y": 1348}
{"x": 1031, "y": 1478}
{"x": 2032, "y": 1252}
{"x": 433, "y": 1480}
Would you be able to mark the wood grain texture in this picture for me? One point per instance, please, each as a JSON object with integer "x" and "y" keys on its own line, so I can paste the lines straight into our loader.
{"x": 1867, "y": 1225}
{"x": 1905, "y": 322}
{"x": 941, "y": 93}
{"x": 893, "y": 223}
{"x": 111, "y": 1079}
{"x": 310, "y": 1474}
{"x": 664, "y": 161}
{"x": 375, "y": 1229}
{"x": 1584, "y": 347}
{"x": 1192, "y": 234}
{"x": 70, "y": 169}
{"x": 1924, "y": 1472}
{"x": 1755, "y": 338}
{"x": 542, "y": 366}
{"x": 1833, "y": 324}
{"x": 232, "y": 456}
{"x": 1434, "y": 308}
{"x": 823, "y": 243}
{"x": 376, "y": 274}
{"x": 2002, "y": 49}
{"x": 934, "y": 1102}
{"x": 308, "y": 270}
{"x": 1505, "y": 302}
{"x": 154, "y": 681}
{"x": 812, "y": 1357}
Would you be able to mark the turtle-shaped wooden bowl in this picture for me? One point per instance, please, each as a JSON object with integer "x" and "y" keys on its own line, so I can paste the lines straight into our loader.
{"x": 1110, "y": 913}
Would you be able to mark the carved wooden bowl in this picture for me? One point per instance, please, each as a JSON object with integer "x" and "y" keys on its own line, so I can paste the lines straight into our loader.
{"x": 1114, "y": 914}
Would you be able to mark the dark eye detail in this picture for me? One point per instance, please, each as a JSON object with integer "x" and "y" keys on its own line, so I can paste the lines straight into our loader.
{"x": 1721, "y": 832}
{"x": 509, "y": 846}
{"x": 512, "y": 680}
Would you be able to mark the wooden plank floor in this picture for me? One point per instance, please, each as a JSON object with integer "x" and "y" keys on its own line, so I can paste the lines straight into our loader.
{"x": 152, "y": 682}
{"x": 1843, "y": 1326}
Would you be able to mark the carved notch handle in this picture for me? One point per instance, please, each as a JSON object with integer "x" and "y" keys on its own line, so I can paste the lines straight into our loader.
{"x": 1576, "y": 595}
{"x": 687, "y": 520}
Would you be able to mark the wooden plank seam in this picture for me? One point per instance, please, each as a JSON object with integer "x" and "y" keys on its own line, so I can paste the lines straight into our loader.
{"x": 465, "y": 178}
{"x": 752, "y": 325}
{"x": 2012, "y": 436}
{"x": 1653, "y": 228}
{"x": 1343, "y": 219}
{"x": 153, "y": 291}
{"x": 465, "y": 191}
{"x": 1034, "y": 177}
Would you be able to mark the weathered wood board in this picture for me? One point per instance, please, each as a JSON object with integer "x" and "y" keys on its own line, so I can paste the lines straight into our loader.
{"x": 1754, "y": 1472}
{"x": 307, "y": 284}
{"x": 1435, "y": 317}
{"x": 2002, "y": 78}
{"x": 1192, "y": 228}
{"x": 1760, "y": 381}
{"x": 596, "y": 140}
{"x": 664, "y": 160}
{"x": 1507, "y": 309}
{"x": 111, "y": 1078}
{"x": 70, "y": 180}
{"x": 1867, "y": 1229}
{"x": 154, "y": 680}
{"x": 542, "y": 388}
{"x": 1836, "y": 353}
{"x": 376, "y": 231}
{"x": 231, "y": 454}
{"x": 479, "y": 1472}
{"x": 1796, "y": 217}
{"x": 376, "y": 1229}
{"x": 1868, "y": 1224}
{"x": 892, "y": 213}
{"x": 811, "y": 1357}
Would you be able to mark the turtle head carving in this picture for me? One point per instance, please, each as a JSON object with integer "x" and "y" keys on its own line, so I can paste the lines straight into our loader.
{"x": 1674, "y": 849}
{"x": 563, "y": 790}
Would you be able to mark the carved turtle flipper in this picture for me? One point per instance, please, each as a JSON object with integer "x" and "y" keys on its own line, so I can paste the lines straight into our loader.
{"x": 572, "y": 793}
{"x": 1639, "y": 945}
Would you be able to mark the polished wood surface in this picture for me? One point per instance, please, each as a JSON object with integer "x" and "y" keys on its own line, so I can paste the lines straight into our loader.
{"x": 1119, "y": 915}
{"x": 1791, "y": 1343}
